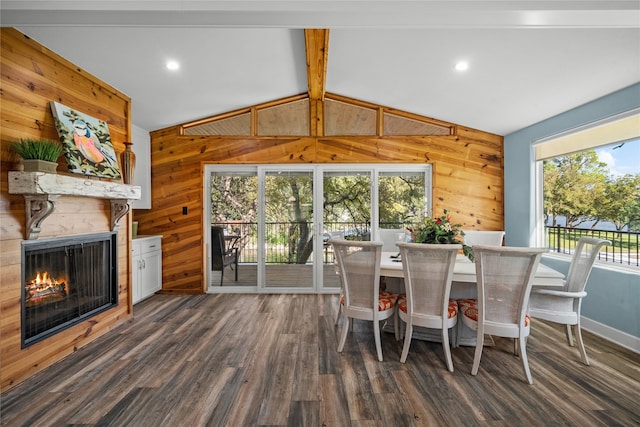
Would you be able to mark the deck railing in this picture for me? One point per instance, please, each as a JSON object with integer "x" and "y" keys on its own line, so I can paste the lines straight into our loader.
{"x": 279, "y": 238}
{"x": 624, "y": 248}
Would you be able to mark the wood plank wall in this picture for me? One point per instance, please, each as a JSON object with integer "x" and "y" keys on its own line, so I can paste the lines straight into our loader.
{"x": 32, "y": 76}
{"x": 467, "y": 179}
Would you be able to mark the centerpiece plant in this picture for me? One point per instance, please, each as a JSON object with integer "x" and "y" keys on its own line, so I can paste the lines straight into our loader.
{"x": 440, "y": 230}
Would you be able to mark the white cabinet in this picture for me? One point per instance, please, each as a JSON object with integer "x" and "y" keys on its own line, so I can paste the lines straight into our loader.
{"x": 147, "y": 266}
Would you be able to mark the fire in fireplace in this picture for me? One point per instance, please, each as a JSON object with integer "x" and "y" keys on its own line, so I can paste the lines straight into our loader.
{"x": 66, "y": 280}
{"x": 44, "y": 289}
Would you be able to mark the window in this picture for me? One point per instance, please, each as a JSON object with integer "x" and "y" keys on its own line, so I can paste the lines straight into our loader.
{"x": 589, "y": 185}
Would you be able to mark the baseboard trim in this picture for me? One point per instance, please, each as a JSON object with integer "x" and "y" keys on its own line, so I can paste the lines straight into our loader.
{"x": 608, "y": 333}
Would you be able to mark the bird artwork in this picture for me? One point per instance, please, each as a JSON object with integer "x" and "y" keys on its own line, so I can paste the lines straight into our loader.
{"x": 87, "y": 143}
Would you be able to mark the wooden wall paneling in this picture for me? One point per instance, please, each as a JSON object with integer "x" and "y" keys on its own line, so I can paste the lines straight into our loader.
{"x": 467, "y": 178}
{"x": 31, "y": 77}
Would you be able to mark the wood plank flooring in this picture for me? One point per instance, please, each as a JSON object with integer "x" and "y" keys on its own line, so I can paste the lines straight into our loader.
{"x": 271, "y": 360}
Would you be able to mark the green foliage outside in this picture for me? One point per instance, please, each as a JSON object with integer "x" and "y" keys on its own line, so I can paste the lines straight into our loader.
{"x": 580, "y": 187}
{"x": 289, "y": 201}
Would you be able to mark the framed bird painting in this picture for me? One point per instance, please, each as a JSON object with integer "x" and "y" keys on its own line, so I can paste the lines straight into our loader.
{"x": 86, "y": 142}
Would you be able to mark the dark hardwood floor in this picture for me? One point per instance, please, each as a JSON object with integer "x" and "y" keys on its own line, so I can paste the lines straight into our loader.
{"x": 271, "y": 360}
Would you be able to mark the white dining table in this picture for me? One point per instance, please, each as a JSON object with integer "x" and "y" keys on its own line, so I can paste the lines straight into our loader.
{"x": 465, "y": 271}
{"x": 463, "y": 286}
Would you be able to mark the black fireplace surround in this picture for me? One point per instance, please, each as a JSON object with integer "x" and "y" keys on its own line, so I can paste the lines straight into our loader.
{"x": 66, "y": 280}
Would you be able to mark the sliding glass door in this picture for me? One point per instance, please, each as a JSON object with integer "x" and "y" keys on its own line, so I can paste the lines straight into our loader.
{"x": 281, "y": 217}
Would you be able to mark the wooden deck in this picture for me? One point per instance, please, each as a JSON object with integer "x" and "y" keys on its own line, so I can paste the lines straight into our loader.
{"x": 271, "y": 360}
{"x": 278, "y": 275}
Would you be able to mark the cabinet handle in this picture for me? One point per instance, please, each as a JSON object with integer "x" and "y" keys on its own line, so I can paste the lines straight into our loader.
{"x": 152, "y": 246}
{"x": 144, "y": 264}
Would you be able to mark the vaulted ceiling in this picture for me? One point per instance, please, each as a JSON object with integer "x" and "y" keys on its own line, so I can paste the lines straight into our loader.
{"x": 528, "y": 60}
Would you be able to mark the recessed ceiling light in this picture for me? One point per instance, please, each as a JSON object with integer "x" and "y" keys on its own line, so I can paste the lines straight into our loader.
{"x": 462, "y": 66}
{"x": 173, "y": 65}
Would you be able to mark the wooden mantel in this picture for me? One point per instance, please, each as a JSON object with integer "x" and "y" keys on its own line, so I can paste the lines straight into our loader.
{"x": 41, "y": 190}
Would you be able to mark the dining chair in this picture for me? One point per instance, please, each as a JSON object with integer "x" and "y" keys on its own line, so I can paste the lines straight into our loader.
{"x": 391, "y": 236}
{"x": 359, "y": 265}
{"x": 563, "y": 305}
{"x": 221, "y": 256}
{"x": 428, "y": 271}
{"x": 327, "y": 237}
{"x": 504, "y": 277}
{"x": 481, "y": 237}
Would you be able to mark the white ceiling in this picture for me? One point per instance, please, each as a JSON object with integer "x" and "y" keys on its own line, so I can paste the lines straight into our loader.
{"x": 529, "y": 60}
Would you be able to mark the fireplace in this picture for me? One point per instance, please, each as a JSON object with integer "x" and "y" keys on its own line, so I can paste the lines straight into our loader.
{"x": 65, "y": 281}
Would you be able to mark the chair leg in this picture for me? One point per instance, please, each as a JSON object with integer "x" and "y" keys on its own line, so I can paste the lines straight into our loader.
{"x": 376, "y": 332}
{"x": 396, "y": 324}
{"x": 236, "y": 269}
{"x": 339, "y": 313}
{"x": 569, "y": 336}
{"x": 478, "y": 353}
{"x": 525, "y": 360}
{"x": 454, "y": 335}
{"x": 407, "y": 341}
{"x": 221, "y": 275}
{"x": 345, "y": 330}
{"x": 583, "y": 351}
{"x": 447, "y": 349}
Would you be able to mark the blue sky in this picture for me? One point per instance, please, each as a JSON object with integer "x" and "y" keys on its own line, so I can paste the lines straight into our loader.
{"x": 622, "y": 160}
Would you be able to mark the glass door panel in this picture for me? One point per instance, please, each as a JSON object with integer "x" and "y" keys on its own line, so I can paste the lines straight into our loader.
{"x": 346, "y": 214}
{"x": 402, "y": 198}
{"x": 233, "y": 206}
{"x": 288, "y": 229}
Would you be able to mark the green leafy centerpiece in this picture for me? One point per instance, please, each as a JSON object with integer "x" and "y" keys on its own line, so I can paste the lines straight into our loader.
{"x": 440, "y": 230}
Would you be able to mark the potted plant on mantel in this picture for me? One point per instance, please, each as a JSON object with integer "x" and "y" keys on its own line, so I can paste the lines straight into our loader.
{"x": 38, "y": 155}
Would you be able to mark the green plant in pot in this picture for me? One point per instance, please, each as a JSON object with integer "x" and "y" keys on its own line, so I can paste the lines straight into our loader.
{"x": 38, "y": 155}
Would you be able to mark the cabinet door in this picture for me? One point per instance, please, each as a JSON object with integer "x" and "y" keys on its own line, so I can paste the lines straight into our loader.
{"x": 136, "y": 263}
{"x": 151, "y": 273}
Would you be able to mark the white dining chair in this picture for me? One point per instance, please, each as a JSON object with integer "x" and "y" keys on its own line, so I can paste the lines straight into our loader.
{"x": 481, "y": 237}
{"x": 390, "y": 236}
{"x": 428, "y": 271}
{"x": 563, "y": 305}
{"x": 359, "y": 265}
{"x": 504, "y": 277}
{"x": 327, "y": 237}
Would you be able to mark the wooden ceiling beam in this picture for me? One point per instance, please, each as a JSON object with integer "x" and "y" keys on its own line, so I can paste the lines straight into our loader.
{"x": 317, "y": 47}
